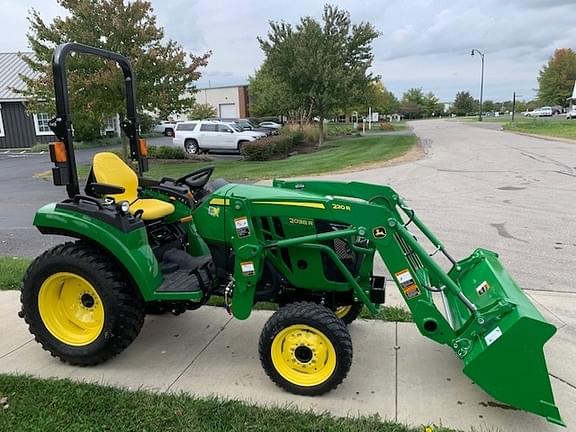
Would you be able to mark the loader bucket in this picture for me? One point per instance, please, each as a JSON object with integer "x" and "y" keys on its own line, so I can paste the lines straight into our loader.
{"x": 504, "y": 355}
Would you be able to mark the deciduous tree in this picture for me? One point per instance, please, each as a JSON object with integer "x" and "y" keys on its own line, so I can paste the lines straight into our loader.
{"x": 431, "y": 105}
{"x": 556, "y": 79}
{"x": 463, "y": 104}
{"x": 202, "y": 111}
{"x": 324, "y": 64}
{"x": 270, "y": 96}
{"x": 412, "y": 103}
{"x": 165, "y": 71}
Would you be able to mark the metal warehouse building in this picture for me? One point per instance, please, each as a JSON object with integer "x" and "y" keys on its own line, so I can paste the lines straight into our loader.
{"x": 17, "y": 127}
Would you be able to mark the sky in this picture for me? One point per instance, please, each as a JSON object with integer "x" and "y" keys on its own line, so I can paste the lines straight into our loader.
{"x": 423, "y": 43}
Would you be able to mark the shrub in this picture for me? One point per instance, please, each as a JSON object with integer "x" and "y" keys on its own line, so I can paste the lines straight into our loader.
{"x": 386, "y": 126}
{"x": 336, "y": 129}
{"x": 297, "y": 138}
{"x": 164, "y": 152}
{"x": 39, "y": 147}
{"x": 256, "y": 151}
{"x": 310, "y": 133}
{"x": 266, "y": 148}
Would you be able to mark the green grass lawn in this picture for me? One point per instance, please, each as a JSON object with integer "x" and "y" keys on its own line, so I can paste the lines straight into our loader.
{"x": 34, "y": 405}
{"x": 556, "y": 127}
{"x": 11, "y": 272}
{"x": 100, "y": 142}
{"x": 335, "y": 155}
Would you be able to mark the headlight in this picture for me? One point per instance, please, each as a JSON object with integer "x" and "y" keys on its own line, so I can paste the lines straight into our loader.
{"x": 124, "y": 207}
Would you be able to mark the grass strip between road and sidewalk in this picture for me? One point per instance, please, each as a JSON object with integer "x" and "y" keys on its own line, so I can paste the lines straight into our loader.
{"x": 335, "y": 156}
{"x": 558, "y": 128}
{"x": 37, "y": 405}
{"x": 12, "y": 271}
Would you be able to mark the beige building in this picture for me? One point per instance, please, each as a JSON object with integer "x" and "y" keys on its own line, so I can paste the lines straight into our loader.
{"x": 228, "y": 101}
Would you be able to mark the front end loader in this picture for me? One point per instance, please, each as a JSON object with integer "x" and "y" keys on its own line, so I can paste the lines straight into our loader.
{"x": 147, "y": 246}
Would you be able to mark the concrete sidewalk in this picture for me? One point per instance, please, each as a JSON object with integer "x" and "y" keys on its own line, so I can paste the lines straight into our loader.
{"x": 396, "y": 373}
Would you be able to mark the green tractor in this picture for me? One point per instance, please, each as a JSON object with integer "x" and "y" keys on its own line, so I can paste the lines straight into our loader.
{"x": 148, "y": 246}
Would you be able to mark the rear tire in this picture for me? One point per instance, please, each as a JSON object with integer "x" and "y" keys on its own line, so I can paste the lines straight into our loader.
{"x": 191, "y": 147}
{"x": 305, "y": 349}
{"x": 79, "y": 305}
{"x": 169, "y": 132}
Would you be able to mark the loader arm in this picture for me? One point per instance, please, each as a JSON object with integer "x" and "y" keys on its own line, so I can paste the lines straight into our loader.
{"x": 488, "y": 321}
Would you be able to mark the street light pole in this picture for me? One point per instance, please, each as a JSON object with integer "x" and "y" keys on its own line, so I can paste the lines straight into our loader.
{"x": 481, "y": 79}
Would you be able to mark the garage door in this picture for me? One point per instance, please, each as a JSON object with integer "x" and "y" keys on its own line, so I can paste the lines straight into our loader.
{"x": 228, "y": 111}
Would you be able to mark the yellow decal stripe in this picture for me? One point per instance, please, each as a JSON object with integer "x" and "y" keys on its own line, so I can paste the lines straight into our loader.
{"x": 293, "y": 204}
{"x": 220, "y": 201}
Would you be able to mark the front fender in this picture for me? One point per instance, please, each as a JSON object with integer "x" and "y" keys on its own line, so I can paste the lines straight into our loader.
{"x": 131, "y": 248}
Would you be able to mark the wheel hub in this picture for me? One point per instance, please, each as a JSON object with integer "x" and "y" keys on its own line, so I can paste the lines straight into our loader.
{"x": 87, "y": 300}
{"x": 71, "y": 309}
{"x": 303, "y": 355}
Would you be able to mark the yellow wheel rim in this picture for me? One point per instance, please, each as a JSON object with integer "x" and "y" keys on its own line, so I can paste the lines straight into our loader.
{"x": 303, "y": 355}
{"x": 71, "y": 309}
{"x": 342, "y": 311}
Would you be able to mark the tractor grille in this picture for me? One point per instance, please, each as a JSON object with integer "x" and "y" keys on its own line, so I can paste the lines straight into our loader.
{"x": 348, "y": 257}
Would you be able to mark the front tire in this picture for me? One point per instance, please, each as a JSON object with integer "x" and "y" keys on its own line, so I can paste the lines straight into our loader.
{"x": 305, "y": 349}
{"x": 79, "y": 305}
{"x": 191, "y": 146}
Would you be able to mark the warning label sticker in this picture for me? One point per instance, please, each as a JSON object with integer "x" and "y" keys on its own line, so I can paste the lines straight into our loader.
{"x": 242, "y": 228}
{"x": 482, "y": 288}
{"x": 407, "y": 284}
{"x": 493, "y": 336}
{"x": 247, "y": 268}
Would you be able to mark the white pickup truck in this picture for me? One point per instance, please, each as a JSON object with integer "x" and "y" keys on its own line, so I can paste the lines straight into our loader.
{"x": 166, "y": 128}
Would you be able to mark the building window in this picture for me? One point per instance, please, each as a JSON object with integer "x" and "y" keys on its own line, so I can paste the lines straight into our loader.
{"x": 110, "y": 124}
{"x": 1, "y": 123}
{"x": 41, "y": 124}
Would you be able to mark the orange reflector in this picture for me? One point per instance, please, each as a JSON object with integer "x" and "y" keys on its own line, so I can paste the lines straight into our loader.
{"x": 143, "y": 147}
{"x": 186, "y": 219}
{"x": 58, "y": 152}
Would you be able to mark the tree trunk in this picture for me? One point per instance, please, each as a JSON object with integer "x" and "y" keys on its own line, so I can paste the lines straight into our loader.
{"x": 321, "y": 138}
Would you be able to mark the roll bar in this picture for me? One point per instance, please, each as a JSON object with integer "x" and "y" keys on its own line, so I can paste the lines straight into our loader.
{"x": 65, "y": 172}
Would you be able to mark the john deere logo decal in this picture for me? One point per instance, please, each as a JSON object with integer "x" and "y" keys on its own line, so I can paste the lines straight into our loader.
{"x": 379, "y": 232}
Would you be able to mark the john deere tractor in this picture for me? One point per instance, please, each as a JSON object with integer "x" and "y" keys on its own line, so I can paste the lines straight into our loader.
{"x": 153, "y": 246}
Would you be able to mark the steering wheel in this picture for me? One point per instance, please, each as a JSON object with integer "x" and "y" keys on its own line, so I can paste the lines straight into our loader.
{"x": 196, "y": 179}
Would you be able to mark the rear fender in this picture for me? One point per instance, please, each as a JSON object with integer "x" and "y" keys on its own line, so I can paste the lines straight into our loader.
{"x": 130, "y": 248}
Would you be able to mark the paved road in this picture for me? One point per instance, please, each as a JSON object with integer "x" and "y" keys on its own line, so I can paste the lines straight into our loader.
{"x": 480, "y": 187}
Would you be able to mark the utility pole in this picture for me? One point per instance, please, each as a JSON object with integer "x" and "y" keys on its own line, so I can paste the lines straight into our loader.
{"x": 514, "y": 96}
{"x": 513, "y": 105}
{"x": 481, "y": 80}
